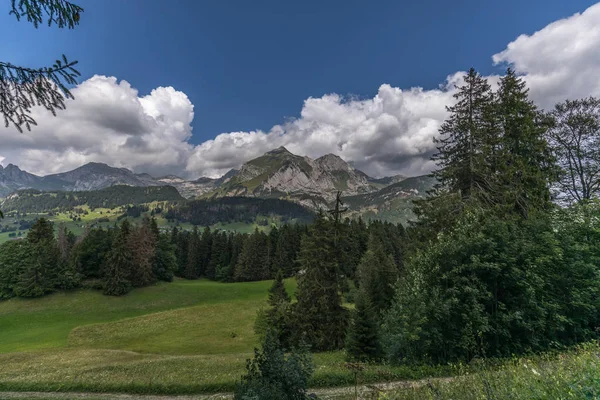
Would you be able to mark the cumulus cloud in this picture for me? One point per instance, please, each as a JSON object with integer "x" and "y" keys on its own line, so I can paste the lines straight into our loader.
{"x": 561, "y": 60}
{"x": 389, "y": 133}
{"x": 107, "y": 122}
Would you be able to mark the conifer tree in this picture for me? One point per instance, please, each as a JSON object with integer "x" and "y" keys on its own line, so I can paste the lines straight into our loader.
{"x": 464, "y": 146}
{"x": 119, "y": 264}
{"x": 318, "y": 314}
{"x": 23, "y": 88}
{"x": 252, "y": 263}
{"x": 164, "y": 262}
{"x": 362, "y": 342}
{"x": 204, "y": 250}
{"x": 277, "y": 292}
{"x": 193, "y": 255}
{"x": 526, "y": 164}
{"x": 377, "y": 276}
{"x": 141, "y": 243}
{"x": 42, "y": 273}
{"x": 278, "y": 315}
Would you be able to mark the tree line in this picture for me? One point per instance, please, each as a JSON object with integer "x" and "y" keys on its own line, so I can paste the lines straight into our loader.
{"x": 35, "y": 201}
{"x": 126, "y": 256}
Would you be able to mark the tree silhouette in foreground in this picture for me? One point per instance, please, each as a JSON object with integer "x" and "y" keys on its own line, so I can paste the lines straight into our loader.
{"x": 22, "y": 88}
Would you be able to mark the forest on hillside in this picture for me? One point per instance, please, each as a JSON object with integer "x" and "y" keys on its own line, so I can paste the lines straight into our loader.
{"x": 35, "y": 201}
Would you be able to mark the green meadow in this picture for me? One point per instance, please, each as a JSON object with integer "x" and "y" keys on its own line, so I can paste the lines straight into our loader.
{"x": 180, "y": 337}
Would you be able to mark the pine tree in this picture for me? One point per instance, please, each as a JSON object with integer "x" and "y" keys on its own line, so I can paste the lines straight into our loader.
{"x": 42, "y": 229}
{"x": 318, "y": 314}
{"x": 279, "y": 313}
{"x": 463, "y": 148}
{"x": 362, "y": 342}
{"x": 193, "y": 255}
{"x": 119, "y": 264}
{"x": 219, "y": 254}
{"x": 204, "y": 250}
{"x": 141, "y": 243}
{"x": 252, "y": 264}
{"x": 526, "y": 164}
{"x": 377, "y": 276}
{"x": 43, "y": 272}
{"x": 164, "y": 262}
{"x": 277, "y": 292}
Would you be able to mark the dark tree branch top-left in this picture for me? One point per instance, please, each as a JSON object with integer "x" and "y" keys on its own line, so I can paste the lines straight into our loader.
{"x": 23, "y": 88}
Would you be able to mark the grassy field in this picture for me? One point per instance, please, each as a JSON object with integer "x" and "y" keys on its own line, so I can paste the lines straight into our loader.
{"x": 574, "y": 374}
{"x": 181, "y": 337}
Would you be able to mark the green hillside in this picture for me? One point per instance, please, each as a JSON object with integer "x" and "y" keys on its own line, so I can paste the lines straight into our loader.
{"x": 393, "y": 203}
{"x": 34, "y": 201}
{"x": 180, "y": 337}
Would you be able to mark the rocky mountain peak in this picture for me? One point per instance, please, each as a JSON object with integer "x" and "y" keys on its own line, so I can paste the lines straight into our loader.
{"x": 332, "y": 162}
{"x": 277, "y": 151}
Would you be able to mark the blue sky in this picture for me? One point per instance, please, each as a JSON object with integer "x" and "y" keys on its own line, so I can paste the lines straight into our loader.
{"x": 208, "y": 85}
{"x": 250, "y": 64}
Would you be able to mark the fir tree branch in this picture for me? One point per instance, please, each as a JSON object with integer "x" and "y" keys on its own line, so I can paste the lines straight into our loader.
{"x": 23, "y": 88}
{"x": 59, "y": 12}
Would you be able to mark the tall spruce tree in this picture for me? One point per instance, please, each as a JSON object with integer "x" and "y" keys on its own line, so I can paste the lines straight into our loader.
{"x": 526, "y": 167}
{"x": 42, "y": 273}
{"x": 141, "y": 243}
{"x": 465, "y": 143}
{"x": 318, "y": 314}
{"x": 277, "y": 292}
{"x": 278, "y": 314}
{"x": 362, "y": 342}
{"x": 119, "y": 264}
{"x": 193, "y": 255}
{"x": 252, "y": 263}
{"x": 377, "y": 275}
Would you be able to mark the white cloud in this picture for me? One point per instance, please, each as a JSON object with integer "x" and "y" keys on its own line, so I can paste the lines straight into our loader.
{"x": 389, "y": 133}
{"x": 107, "y": 122}
{"x": 560, "y": 61}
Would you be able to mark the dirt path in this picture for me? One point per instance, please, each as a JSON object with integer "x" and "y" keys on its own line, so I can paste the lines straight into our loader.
{"x": 364, "y": 392}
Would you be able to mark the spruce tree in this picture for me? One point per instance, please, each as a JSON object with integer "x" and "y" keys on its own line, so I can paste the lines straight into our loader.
{"x": 277, "y": 292}
{"x": 119, "y": 264}
{"x": 193, "y": 255}
{"x": 164, "y": 262}
{"x": 319, "y": 316}
{"x": 141, "y": 243}
{"x": 252, "y": 264}
{"x": 362, "y": 342}
{"x": 463, "y": 148}
{"x": 526, "y": 164}
{"x": 377, "y": 276}
{"x": 204, "y": 250}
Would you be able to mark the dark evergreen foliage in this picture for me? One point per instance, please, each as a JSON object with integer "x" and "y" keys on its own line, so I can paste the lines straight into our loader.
{"x": 274, "y": 375}
{"x": 319, "y": 317}
{"x": 362, "y": 342}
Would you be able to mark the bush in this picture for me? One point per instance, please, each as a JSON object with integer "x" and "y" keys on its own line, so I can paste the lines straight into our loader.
{"x": 273, "y": 375}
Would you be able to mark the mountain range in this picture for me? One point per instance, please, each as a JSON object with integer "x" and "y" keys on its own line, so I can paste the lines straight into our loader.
{"x": 276, "y": 174}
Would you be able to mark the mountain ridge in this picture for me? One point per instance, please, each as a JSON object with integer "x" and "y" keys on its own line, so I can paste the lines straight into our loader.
{"x": 278, "y": 173}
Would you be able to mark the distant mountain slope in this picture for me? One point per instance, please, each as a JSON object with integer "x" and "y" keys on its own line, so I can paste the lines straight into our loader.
{"x": 13, "y": 178}
{"x": 392, "y": 203}
{"x": 277, "y": 174}
{"x": 189, "y": 189}
{"x": 207, "y": 212}
{"x": 281, "y": 174}
{"x": 34, "y": 201}
{"x": 94, "y": 176}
